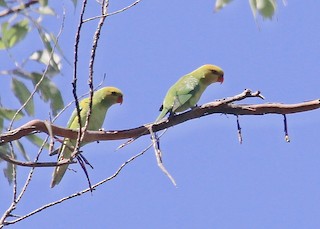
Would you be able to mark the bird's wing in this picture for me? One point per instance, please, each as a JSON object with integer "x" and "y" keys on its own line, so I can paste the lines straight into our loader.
{"x": 188, "y": 88}
{"x": 82, "y": 105}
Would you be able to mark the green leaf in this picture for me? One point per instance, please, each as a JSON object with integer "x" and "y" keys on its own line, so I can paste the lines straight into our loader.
{"x": 74, "y": 3}
{"x": 55, "y": 41}
{"x": 22, "y": 93}
{"x": 3, "y": 3}
{"x": 4, "y": 149}
{"x": 12, "y": 35}
{"x": 266, "y": 8}
{"x": 45, "y": 37}
{"x": 253, "y": 6}
{"x": 46, "y": 10}
{"x": 4, "y": 27}
{"x": 8, "y": 172}
{"x": 44, "y": 57}
{"x": 22, "y": 150}
{"x": 9, "y": 113}
{"x": 56, "y": 101}
{"x": 220, "y": 4}
{"x": 43, "y": 2}
{"x": 34, "y": 139}
{"x": 43, "y": 89}
{"x": 21, "y": 72}
{"x": 1, "y": 124}
{"x": 49, "y": 92}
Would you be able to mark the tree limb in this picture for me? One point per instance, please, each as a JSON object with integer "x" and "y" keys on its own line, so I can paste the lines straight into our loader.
{"x": 224, "y": 106}
{"x": 18, "y": 8}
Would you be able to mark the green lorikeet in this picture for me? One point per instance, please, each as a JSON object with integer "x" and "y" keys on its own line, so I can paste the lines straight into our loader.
{"x": 102, "y": 100}
{"x": 186, "y": 92}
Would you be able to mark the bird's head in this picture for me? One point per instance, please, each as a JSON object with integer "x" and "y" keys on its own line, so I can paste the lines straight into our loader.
{"x": 111, "y": 95}
{"x": 212, "y": 73}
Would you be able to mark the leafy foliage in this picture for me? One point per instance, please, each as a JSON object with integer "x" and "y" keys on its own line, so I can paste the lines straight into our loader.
{"x": 265, "y": 8}
{"x": 11, "y": 35}
{"x": 34, "y": 73}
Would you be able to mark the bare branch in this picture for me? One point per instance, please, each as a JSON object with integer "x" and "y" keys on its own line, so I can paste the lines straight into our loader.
{"x": 33, "y": 164}
{"x": 286, "y": 134}
{"x": 158, "y": 154}
{"x": 75, "y": 65}
{"x": 96, "y": 36}
{"x": 224, "y": 106}
{"x": 18, "y": 8}
{"x": 113, "y": 13}
{"x": 81, "y": 192}
{"x": 239, "y": 130}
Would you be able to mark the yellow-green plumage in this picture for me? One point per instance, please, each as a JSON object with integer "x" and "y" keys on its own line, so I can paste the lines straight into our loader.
{"x": 186, "y": 92}
{"x": 102, "y": 100}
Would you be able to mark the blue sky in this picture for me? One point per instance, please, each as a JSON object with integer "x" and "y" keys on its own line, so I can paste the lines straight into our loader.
{"x": 263, "y": 183}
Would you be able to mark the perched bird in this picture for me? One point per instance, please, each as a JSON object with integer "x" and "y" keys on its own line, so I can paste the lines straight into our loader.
{"x": 102, "y": 100}
{"x": 186, "y": 92}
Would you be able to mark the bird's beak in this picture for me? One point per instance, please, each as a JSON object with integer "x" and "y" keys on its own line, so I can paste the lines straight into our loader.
{"x": 220, "y": 79}
{"x": 120, "y": 99}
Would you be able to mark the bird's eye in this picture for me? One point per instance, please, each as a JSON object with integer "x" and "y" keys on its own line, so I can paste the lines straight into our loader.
{"x": 113, "y": 93}
{"x": 214, "y": 71}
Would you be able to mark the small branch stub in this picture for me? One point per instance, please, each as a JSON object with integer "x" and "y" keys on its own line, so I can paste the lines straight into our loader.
{"x": 239, "y": 130}
{"x": 286, "y": 135}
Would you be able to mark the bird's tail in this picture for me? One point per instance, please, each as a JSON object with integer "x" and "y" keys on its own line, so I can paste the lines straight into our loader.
{"x": 161, "y": 115}
{"x": 57, "y": 175}
{"x": 59, "y": 171}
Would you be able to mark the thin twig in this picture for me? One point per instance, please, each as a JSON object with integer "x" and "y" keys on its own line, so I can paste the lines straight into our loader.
{"x": 286, "y": 135}
{"x": 18, "y": 8}
{"x": 81, "y": 192}
{"x": 85, "y": 190}
{"x": 113, "y": 13}
{"x": 239, "y": 130}
{"x": 75, "y": 65}
{"x": 34, "y": 164}
{"x": 24, "y": 188}
{"x": 14, "y": 175}
{"x": 158, "y": 153}
{"x": 104, "y": 8}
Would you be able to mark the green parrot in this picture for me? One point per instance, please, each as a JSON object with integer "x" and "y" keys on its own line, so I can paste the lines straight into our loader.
{"x": 102, "y": 100}
{"x": 186, "y": 92}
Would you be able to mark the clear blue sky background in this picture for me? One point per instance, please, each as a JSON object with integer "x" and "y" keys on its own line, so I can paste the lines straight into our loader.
{"x": 263, "y": 183}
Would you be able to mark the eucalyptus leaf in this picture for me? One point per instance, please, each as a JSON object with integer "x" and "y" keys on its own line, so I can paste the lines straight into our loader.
{"x": 74, "y": 3}
{"x": 3, "y": 3}
{"x": 46, "y": 10}
{"x": 266, "y": 8}
{"x": 22, "y": 93}
{"x": 37, "y": 141}
{"x": 43, "y": 3}
{"x": 9, "y": 113}
{"x": 44, "y": 57}
{"x": 49, "y": 92}
{"x": 56, "y": 101}
{"x": 8, "y": 172}
{"x": 12, "y": 35}
{"x": 220, "y": 4}
{"x": 22, "y": 150}
{"x": 1, "y": 124}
